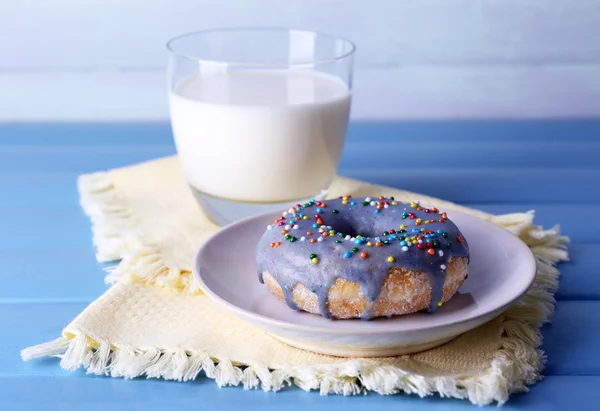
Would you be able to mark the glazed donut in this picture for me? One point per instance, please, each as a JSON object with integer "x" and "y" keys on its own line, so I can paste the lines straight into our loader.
{"x": 362, "y": 257}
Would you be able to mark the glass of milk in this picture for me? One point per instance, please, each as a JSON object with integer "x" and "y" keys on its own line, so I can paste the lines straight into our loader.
{"x": 259, "y": 115}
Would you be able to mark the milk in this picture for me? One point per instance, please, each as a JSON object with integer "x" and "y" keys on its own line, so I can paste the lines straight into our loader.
{"x": 260, "y": 135}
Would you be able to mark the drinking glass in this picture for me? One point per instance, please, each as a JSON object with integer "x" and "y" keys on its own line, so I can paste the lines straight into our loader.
{"x": 259, "y": 115}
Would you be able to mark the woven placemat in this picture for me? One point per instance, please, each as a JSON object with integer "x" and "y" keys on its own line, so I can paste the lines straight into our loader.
{"x": 155, "y": 322}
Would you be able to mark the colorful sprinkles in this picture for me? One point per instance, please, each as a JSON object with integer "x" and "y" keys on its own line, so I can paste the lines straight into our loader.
{"x": 429, "y": 241}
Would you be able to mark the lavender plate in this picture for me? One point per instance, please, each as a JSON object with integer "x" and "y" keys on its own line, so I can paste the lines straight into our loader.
{"x": 502, "y": 269}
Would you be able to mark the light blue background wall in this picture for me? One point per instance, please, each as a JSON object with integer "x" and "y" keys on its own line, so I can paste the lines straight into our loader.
{"x": 104, "y": 59}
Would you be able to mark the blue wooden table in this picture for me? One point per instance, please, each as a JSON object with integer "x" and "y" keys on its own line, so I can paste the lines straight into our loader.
{"x": 48, "y": 272}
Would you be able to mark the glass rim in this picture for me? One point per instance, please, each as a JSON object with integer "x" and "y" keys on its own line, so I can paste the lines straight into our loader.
{"x": 170, "y": 47}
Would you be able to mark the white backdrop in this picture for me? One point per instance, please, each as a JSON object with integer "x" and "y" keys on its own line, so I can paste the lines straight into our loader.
{"x": 104, "y": 60}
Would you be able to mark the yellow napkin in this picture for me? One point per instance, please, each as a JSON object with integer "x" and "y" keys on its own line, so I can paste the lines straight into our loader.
{"x": 155, "y": 322}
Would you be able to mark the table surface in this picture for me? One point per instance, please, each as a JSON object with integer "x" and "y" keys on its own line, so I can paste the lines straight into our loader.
{"x": 49, "y": 273}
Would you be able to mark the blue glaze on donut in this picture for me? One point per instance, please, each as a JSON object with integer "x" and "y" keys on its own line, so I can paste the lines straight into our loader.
{"x": 289, "y": 263}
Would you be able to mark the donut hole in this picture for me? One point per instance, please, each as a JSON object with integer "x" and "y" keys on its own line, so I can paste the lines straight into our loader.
{"x": 363, "y": 227}
{"x": 346, "y": 227}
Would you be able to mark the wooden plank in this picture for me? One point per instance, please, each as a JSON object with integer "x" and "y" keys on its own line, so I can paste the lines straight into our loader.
{"x": 485, "y": 131}
{"x": 56, "y": 189}
{"x": 455, "y": 153}
{"x": 66, "y": 274}
{"x": 87, "y": 134}
{"x": 549, "y": 215}
{"x": 86, "y": 159}
{"x": 26, "y": 324}
{"x": 28, "y": 229}
{"x": 490, "y": 185}
{"x": 51, "y": 273}
{"x": 37, "y": 228}
{"x": 387, "y": 33}
{"x": 448, "y": 154}
{"x": 96, "y": 393}
{"x": 579, "y": 277}
{"x": 537, "y": 134}
{"x": 31, "y": 226}
{"x": 460, "y": 185}
{"x": 570, "y": 341}
{"x": 404, "y": 92}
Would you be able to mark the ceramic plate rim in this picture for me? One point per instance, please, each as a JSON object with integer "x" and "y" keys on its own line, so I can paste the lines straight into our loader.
{"x": 241, "y": 312}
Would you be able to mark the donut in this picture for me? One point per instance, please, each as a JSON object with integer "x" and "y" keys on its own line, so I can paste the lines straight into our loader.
{"x": 362, "y": 257}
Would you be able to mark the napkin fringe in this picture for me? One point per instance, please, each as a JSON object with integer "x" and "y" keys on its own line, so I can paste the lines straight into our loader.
{"x": 49, "y": 349}
{"x": 113, "y": 224}
{"x": 517, "y": 363}
{"x": 116, "y": 239}
{"x": 147, "y": 266}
